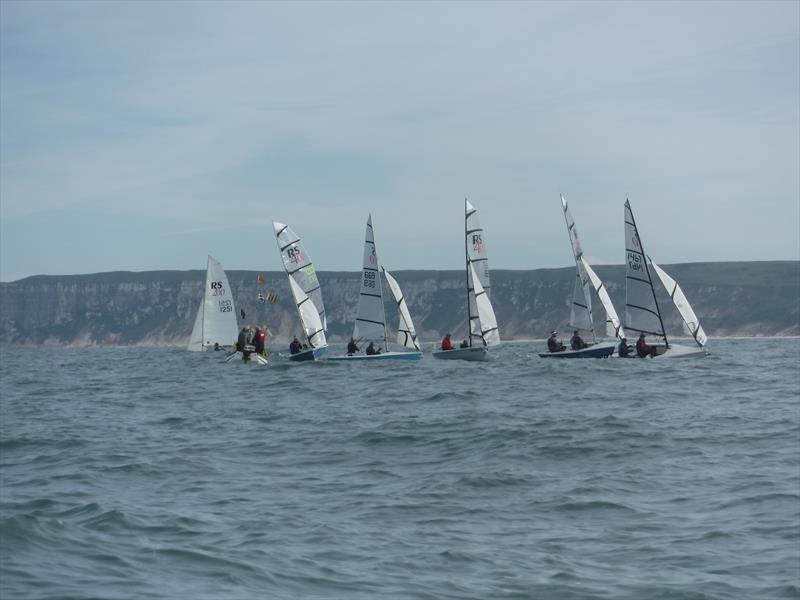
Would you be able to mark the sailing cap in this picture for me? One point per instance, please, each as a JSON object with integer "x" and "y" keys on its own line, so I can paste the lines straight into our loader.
{"x": 553, "y": 332}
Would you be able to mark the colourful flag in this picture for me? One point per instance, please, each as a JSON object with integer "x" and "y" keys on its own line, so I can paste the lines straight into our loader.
{"x": 261, "y": 279}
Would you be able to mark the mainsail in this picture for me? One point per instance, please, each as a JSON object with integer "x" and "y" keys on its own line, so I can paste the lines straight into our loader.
{"x": 371, "y": 316}
{"x": 580, "y": 316}
{"x": 216, "y": 319}
{"x": 299, "y": 267}
{"x": 477, "y": 268}
{"x": 309, "y": 315}
{"x": 682, "y": 304}
{"x": 484, "y": 321}
{"x": 406, "y": 335}
{"x": 613, "y": 325}
{"x": 641, "y": 307}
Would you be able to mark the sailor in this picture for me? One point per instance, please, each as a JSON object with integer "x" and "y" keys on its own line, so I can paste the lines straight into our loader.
{"x": 352, "y": 347}
{"x": 464, "y": 344}
{"x": 295, "y": 346}
{"x": 577, "y": 342}
{"x": 643, "y": 349}
{"x": 553, "y": 344}
{"x": 242, "y": 340}
{"x": 624, "y": 350}
{"x": 259, "y": 341}
{"x": 372, "y": 350}
{"x": 446, "y": 343}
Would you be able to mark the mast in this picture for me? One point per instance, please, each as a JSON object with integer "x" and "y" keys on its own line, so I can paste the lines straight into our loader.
{"x": 646, "y": 268}
{"x": 580, "y": 274}
{"x": 380, "y": 283}
{"x": 466, "y": 271}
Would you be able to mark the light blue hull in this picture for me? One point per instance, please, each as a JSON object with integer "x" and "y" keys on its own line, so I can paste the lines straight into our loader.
{"x": 476, "y": 353}
{"x": 309, "y": 354}
{"x": 383, "y": 356}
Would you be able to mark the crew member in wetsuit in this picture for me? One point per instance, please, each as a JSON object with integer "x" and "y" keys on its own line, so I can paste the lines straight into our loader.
{"x": 352, "y": 347}
{"x": 295, "y": 346}
{"x": 642, "y": 349}
{"x": 446, "y": 343}
{"x": 577, "y": 342}
{"x": 554, "y": 345}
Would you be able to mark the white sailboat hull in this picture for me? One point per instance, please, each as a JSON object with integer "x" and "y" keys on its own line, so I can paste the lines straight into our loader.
{"x": 382, "y": 356}
{"x": 309, "y": 354}
{"x": 476, "y": 353}
{"x": 254, "y": 358}
{"x": 674, "y": 351}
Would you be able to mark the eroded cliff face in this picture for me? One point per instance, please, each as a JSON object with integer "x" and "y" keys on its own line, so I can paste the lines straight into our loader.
{"x": 158, "y": 307}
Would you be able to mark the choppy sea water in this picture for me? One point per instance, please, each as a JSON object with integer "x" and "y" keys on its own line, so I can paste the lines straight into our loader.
{"x": 135, "y": 473}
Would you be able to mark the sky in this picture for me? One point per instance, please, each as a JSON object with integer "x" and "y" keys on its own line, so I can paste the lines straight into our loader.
{"x": 145, "y": 135}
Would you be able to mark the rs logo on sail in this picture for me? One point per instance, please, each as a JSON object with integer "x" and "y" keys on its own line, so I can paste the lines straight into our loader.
{"x": 217, "y": 289}
{"x": 477, "y": 242}
{"x": 294, "y": 254}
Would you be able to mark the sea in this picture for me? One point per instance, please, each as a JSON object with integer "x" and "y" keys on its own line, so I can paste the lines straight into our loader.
{"x": 156, "y": 473}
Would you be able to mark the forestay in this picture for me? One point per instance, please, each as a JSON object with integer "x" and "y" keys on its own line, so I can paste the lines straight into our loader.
{"x": 309, "y": 315}
{"x": 682, "y": 304}
{"x": 299, "y": 267}
{"x": 641, "y": 308}
{"x": 613, "y": 325}
{"x": 371, "y": 316}
{"x": 485, "y": 321}
{"x": 580, "y": 316}
{"x": 406, "y": 334}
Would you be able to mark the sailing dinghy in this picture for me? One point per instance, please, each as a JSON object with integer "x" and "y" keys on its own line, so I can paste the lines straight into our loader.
{"x": 370, "y": 325}
{"x": 481, "y": 321}
{"x": 215, "y": 324}
{"x": 305, "y": 290}
{"x": 642, "y": 313}
{"x": 580, "y": 316}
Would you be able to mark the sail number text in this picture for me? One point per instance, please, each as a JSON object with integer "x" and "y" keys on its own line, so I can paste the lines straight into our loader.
{"x": 225, "y": 306}
{"x": 369, "y": 279}
{"x": 217, "y": 289}
{"x": 635, "y": 262}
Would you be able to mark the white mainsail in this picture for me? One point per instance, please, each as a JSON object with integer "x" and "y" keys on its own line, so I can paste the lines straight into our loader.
{"x": 682, "y": 304}
{"x": 371, "y": 316}
{"x": 299, "y": 267}
{"x": 309, "y": 315}
{"x": 216, "y": 320}
{"x": 485, "y": 321}
{"x": 641, "y": 307}
{"x": 476, "y": 246}
{"x": 613, "y": 325}
{"x": 475, "y": 242}
{"x": 580, "y": 316}
{"x": 406, "y": 334}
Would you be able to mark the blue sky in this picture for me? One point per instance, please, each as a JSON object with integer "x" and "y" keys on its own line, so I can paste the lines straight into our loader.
{"x": 145, "y": 135}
